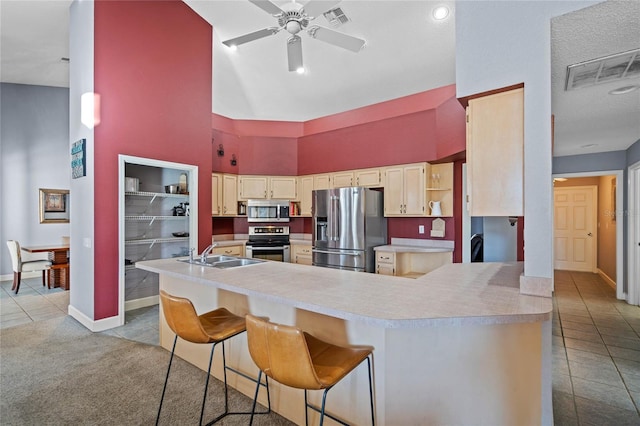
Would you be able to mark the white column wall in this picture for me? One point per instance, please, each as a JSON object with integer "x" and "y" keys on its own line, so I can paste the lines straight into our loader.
{"x": 500, "y": 44}
{"x": 81, "y": 30}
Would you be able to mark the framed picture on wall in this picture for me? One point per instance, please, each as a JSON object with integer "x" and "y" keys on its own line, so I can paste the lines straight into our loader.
{"x": 54, "y": 205}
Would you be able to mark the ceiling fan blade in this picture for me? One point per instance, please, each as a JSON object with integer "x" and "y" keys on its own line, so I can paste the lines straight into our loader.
{"x": 267, "y": 6}
{"x": 336, "y": 38}
{"x": 315, "y": 8}
{"x": 294, "y": 53}
{"x": 251, "y": 36}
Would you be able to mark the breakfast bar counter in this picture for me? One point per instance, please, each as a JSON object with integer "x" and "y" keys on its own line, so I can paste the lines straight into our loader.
{"x": 459, "y": 345}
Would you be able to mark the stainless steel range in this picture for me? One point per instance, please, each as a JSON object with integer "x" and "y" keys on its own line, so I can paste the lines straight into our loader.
{"x": 269, "y": 242}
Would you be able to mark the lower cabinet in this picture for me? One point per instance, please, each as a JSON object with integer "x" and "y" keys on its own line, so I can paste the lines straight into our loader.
{"x": 232, "y": 250}
{"x": 410, "y": 264}
{"x": 301, "y": 253}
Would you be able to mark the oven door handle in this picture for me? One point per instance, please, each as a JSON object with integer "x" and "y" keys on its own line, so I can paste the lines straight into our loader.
{"x": 352, "y": 253}
{"x": 280, "y": 248}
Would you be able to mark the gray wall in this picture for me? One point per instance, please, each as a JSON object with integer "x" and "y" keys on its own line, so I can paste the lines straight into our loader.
{"x": 633, "y": 153}
{"x": 34, "y": 153}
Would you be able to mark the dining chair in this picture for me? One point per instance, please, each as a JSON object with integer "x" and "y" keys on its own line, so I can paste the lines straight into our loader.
{"x": 19, "y": 266}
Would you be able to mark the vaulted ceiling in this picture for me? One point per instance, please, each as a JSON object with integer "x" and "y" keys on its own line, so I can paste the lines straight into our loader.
{"x": 407, "y": 51}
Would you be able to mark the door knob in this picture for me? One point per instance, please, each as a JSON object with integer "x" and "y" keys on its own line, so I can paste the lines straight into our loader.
{"x": 590, "y": 234}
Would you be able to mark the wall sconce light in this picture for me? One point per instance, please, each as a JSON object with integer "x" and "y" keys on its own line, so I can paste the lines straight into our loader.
{"x": 513, "y": 220}
{"x": 233, "y": 160}
{"x": 90, "y": 109}
{"x": 220, "y": 151}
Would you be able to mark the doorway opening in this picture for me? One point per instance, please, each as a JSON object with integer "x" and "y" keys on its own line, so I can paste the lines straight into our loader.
{"x": 633, "y": 247}
{"x": 606, "y": 232}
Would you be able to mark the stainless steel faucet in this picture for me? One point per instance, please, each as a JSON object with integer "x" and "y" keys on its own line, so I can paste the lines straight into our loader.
{"x": 205, "y": 253}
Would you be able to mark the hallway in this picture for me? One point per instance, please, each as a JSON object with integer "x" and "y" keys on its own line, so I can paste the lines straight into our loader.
{"x": 596, "y": 353}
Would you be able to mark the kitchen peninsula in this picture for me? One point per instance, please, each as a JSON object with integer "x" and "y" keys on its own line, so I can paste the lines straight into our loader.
{"x": 459, "y": 345}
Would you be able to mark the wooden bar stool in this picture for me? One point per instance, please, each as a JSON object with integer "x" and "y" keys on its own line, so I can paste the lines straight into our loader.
{"x": 296, "y": 359}
{"x": 211, "y": 327}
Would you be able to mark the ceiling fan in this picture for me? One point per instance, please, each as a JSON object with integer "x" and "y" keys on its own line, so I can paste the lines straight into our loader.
{"x": 294, "y": 17}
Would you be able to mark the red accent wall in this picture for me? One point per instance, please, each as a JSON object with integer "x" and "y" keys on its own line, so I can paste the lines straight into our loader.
{"x": 153, "y": 72}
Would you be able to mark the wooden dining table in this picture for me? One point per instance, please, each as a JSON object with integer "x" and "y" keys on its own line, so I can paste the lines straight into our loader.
{"x": 58, "y": 255}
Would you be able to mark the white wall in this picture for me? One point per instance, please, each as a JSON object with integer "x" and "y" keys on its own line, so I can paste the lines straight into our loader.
{"x": 499, "y": 44}
{"x": 500, "y": 240}
{"x": 81, "y": 301}
{"x": 34, "y": 154}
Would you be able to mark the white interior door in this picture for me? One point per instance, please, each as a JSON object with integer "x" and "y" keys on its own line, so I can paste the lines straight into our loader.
{"x": 575, "y": 228}
{"x": 633, "y": 281}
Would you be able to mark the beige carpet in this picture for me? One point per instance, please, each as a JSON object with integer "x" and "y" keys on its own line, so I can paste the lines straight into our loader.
{"x": 56, "y": 372}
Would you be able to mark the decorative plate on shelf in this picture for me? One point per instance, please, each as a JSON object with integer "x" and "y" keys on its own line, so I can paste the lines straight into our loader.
{"x": 180, "y": 234}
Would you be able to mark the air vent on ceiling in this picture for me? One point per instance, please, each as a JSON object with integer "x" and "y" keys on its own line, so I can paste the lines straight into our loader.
{"x": 336, "y": 17}
{"x": 604, "y": 70}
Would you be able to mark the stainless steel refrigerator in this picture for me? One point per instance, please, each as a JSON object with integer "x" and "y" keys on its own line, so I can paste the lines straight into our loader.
{"x": 347, "y": 224}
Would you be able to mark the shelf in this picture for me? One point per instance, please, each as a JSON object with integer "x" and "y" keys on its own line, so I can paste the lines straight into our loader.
{"x": 155, "y": 240}
{"x": 438, "y": 189}
{"x": 156, "y": 194}
{"x": 146, "y": 218}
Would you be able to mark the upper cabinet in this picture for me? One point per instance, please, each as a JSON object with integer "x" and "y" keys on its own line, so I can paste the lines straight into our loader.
{"x": 439, "y": 191}
{"x": 224, "y": 195}
{"x": 369, "y": 177}
{"x": 495, "y": 157}
{"x": 305, "y": 185}
{"x": 342, "y": 179}
{"x": 322, "y": 181}
{"x": 404, "y": 193}
{"x": 266, "y": 187}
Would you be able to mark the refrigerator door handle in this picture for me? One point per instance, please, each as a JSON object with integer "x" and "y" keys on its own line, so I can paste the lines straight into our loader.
{"x": 351, "y": 253}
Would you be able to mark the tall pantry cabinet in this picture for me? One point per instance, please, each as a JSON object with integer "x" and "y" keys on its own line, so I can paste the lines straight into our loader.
{"x": 156, "y": 226}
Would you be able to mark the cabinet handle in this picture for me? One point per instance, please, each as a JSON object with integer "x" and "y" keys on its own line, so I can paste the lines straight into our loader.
{"x": 358, "y": 181}
{"x": 271, "y": 193}
{"x": 224, "y": 210}
{"x": 265, "y": 194}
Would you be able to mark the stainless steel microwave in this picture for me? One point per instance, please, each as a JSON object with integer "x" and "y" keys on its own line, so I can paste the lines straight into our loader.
{"x": 268, "y": 211}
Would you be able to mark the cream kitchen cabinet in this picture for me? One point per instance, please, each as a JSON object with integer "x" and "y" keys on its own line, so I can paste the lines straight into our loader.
{"x": 224, "y": 195}
{"x": 229, "y": 250}
{"x": 342, "y": 179}
{"x": 267, "y": 187}
{"x": 322, "y": 181}
{"x": 495, "y": 154}
{"x": 408, "y": 262}
{"x": 371, "y": 178}
{"x": 301, "y": 253}
{"x": 305, "y": 192}
{"x": 404, "y": 190}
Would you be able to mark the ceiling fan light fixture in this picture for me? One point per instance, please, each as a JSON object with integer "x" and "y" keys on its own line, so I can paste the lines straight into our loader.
{"x": 440, "y": 13}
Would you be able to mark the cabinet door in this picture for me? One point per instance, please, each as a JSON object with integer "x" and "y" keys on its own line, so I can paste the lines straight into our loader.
{"x": 342, "y": 179}
{"x": 495, "y": 154}
{"x": 414, "y": 190}
{"x": 216, "y": 194}
{"x": 283, "y": 187}
{"x": 253, "y": 187}
{"x": 393, "y": 191}
{"x": 229, "y": 195}
{"x": 301, "y": 254}
{"x": 370, "y": 178}
{"x": 321, "y": 182}
{"x": 229, "y": 250}
{"x": 305, "y": 193}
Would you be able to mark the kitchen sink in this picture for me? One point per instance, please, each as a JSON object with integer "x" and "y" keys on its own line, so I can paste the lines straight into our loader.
{"x": 236, "y": 262}
{"x": 219, "y": 261}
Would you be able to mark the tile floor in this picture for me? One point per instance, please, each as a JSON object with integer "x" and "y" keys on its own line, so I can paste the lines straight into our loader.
{"x": 596, "y": 343}
{"x": 596, "y": 353}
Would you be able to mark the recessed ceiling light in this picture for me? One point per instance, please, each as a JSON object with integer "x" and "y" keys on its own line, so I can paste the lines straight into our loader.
{"x": 440, "y": 13}
{"x": 624, "y": 89}
{"x": 560, "y": 179}
{"x": 233, "y": 48}
{"x": 300, "y": 70}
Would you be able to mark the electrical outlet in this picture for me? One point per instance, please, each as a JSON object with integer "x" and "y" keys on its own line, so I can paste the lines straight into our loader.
{"x": 420, "y": 229}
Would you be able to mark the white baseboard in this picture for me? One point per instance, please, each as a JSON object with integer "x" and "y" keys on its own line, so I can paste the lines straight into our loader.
{"x": 130, "y": 305}
{"x": 94, "y": 325}
{"x": 607, "y": 279}
{"x": 9, "y": 277}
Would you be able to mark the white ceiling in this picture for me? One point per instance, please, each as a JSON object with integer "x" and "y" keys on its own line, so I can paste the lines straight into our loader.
{"x": 407, "y": 52}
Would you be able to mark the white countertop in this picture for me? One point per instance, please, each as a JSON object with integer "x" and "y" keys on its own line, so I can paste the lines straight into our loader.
{"x": 454, "y": 294}
{"x": 396, "y": 248}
